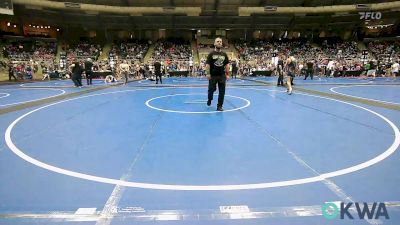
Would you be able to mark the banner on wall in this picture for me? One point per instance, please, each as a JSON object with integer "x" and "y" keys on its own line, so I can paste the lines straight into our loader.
{"x": 6, "y": 7}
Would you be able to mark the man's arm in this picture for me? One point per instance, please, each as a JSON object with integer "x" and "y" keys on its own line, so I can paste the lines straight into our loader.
{"x": 208, "y": 75}
{"x": 227, "y": 71}
{"x": 71, "y": 67}
{"x": 227, "y": 66}
{"x": 208, "y": 62}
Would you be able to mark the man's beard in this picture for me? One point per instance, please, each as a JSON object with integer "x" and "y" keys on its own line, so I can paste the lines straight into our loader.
{"x": 217, "y": 47}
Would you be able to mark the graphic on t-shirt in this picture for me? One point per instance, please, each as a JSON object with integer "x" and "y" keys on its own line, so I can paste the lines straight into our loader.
{"x": 219, "y": 60}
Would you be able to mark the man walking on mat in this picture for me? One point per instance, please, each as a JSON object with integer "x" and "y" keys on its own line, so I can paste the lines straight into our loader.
{"x": 217, "y": 73}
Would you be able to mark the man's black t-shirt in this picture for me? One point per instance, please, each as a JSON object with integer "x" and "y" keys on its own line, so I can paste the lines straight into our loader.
{"x": 157, "y": 67}
{"x": 77, "y": 69}
{"x": 309, "y": 65}
{"x": 217, "y": 62}
{"x": 10, "y": 68}
{"x": 88, "y": 66}
{"x": 291, "y": 66}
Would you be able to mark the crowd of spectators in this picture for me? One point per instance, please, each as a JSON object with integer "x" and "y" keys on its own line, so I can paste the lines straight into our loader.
{"x": 328, "y": 57}
{"x": 25, "y": 57}
{"x": 176, "y": 55}
{"x": 262, "y": 55}
{"x": 81, "y": 50}
{"x": 26, "y": 51}
{"x": 132, "y": 51}
{"x": 384, "y": 50}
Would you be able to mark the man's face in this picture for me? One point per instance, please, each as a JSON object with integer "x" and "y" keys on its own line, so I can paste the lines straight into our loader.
{"x": 218, "y": 43}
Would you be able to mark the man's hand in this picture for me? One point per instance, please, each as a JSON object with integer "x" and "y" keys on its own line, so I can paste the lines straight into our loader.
{"x": 208, "y": 77}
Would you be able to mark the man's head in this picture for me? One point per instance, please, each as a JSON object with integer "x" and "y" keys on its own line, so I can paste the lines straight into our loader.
{"x": 218, "y": 43}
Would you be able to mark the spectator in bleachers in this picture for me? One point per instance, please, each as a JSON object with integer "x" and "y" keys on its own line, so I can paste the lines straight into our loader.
{"x": 11, "y": 72}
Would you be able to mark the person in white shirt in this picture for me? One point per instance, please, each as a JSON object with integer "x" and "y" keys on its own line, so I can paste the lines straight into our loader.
{"x": 124, "y": 69}
{"x": 301, "y": 66}
{"x": 290, "y": 67}
{"x": 330, "y": 67}
{"x": 395, "y": 69}
{"x": 46, "y": 74}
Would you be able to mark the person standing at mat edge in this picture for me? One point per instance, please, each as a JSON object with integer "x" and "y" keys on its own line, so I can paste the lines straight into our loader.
{"x": 217, "y": 73}
{"x": 88, "y": 71}
{"x": 124, "y": 68}
{"x": 157, "y": 71}
{"x": 76, "y": 71}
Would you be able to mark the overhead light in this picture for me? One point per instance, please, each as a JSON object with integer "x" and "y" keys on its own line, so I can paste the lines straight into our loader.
{"x": 58, "y": 29}
{"x": 15, "y": 25}
{"x": 341, "y": 13}
{"x": 380, "y": 26}
{"x": 363, "y": 6}
{"x": 169, "y": 9}
{"x": 8, "y": 24}
{"x": 72, "y": 5}
{"x": 270, "y": 8}
{"x": 41, "y": 27}
{"x": 30, "y": 25}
